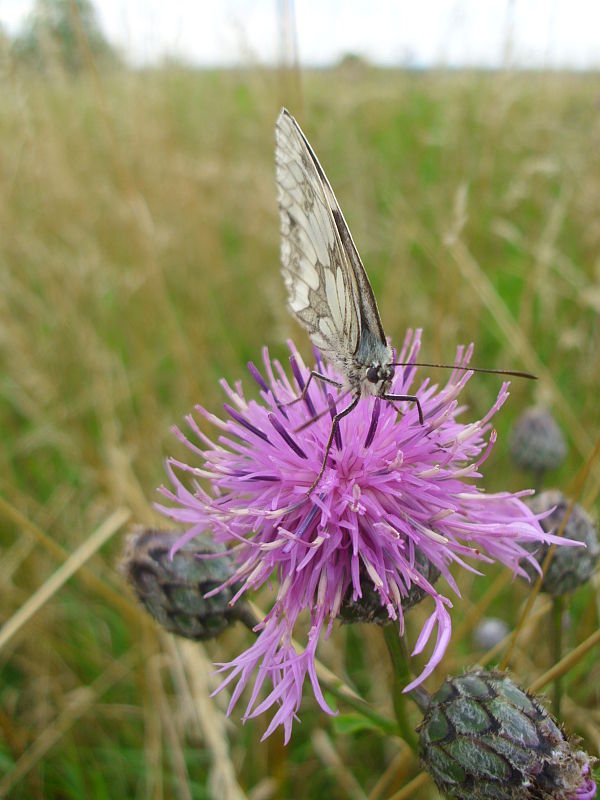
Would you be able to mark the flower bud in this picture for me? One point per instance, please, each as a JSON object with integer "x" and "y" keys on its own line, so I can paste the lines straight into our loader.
{"x": 570, "y": 567}
{"x": 172, "y": 589}
{"x": 369, "y": 607}
{"x": 489, "y": 632}
{"x": 536, "y": 442}
{"x": 484, "y": 737}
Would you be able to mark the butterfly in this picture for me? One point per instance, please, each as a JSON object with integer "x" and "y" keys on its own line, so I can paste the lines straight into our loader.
{"x": 329, "y": 292}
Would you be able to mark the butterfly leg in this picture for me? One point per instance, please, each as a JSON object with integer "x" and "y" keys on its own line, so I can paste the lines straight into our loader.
{"x": 313, "y": 374}
{"x": 334, "y": 424}
{"x": 410, "y": 397}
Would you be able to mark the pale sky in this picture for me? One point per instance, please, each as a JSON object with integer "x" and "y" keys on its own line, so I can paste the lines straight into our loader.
{"x": 534, "y": 33}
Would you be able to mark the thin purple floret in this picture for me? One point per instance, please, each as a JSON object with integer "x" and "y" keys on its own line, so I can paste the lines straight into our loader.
{"x": 286, "y": 436}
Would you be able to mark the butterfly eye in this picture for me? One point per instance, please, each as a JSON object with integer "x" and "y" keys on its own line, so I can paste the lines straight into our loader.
{"x": 373, "y": 374}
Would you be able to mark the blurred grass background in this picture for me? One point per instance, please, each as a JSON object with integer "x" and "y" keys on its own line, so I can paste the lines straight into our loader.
{"x": 139, "y": 263}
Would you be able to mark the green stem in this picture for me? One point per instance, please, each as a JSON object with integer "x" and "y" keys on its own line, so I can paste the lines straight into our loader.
{"x": 385, "y": 724}
{"x": 538, "y": 480}
{"x": 557, "y": 631}
{"x": 402, "y": 677}
{"x": 246, "y": 615}
{"x": 421, "y": 697}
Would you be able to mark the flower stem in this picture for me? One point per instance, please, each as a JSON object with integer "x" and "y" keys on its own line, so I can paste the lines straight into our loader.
{"x": 557, "y": 630}
{"x": 420, "y": 697}
{"x": 246, "y": 615}
{"x": 397, "y": 651}
{"x": 538, "y": 480}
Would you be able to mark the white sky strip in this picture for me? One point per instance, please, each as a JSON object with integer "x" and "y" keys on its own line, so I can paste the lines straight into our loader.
{"x": 525, "y": 33}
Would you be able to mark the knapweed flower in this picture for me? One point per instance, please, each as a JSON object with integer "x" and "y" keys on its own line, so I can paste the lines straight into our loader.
{"x": 485, "y": 738}
{"x": 392, "y": 485}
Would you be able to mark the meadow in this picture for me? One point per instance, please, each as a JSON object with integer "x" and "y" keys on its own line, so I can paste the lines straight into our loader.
{"x": 139, "y": 263}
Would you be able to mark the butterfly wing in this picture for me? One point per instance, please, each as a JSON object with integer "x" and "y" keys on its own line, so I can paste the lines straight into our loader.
{"x": 328, "y": 289}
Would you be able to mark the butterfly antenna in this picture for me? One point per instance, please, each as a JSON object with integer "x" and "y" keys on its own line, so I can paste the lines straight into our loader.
{"x": 515, "y": 373}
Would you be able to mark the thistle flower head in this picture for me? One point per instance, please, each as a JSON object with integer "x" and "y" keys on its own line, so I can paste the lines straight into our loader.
{"x": 392, "y": 488}
{"x": 485, "y": 738}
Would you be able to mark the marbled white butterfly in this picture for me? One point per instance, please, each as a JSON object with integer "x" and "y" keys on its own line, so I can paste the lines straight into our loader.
{"x": 328, "y": 289}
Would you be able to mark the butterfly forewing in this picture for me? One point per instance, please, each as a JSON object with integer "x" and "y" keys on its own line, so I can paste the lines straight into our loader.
{"x": 328, "y": 289}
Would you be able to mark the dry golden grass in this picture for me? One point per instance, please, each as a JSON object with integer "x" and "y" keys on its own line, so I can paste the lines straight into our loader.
{"x": 139, "y": 263}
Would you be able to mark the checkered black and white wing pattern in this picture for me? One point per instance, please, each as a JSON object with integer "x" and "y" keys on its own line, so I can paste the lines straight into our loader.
{"x": 328, "y": 289}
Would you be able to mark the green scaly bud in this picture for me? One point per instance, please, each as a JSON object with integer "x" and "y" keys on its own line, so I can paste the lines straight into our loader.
{"x": 570, "y": 567}
{"x": 485, "y": 738}
{"x": 536, "y": 442}
{"x": 173, "y": 590}
{"x": 369, "y": 607}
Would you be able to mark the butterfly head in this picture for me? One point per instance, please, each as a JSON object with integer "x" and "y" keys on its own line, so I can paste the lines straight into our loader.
{"x": 380, "y": 376}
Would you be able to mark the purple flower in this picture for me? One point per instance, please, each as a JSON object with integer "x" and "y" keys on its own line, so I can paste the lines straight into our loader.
{"x": 391, "y": 486}
{"x": 587, "y": 791}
